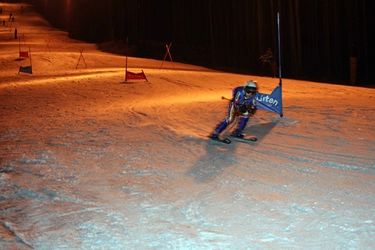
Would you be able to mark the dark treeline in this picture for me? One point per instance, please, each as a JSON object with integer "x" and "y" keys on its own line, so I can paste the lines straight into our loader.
{"x": 319, "y": 38}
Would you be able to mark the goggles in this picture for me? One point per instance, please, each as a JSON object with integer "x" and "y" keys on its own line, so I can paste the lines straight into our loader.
{"x": 250, "y": 90}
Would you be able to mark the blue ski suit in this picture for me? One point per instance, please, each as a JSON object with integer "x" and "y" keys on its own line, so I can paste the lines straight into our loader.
{"x": 241, "y": 107}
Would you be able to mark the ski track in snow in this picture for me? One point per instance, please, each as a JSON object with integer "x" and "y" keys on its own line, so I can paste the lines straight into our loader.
{"x": 90, "y": 162}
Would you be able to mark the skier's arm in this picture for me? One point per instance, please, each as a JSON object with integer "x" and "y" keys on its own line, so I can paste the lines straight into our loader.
{"x": 236, "y": 99}
{"x": 252, "y": 107}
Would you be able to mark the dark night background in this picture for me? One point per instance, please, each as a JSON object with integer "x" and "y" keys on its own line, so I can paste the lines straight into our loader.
{"x": 319, "y": 38}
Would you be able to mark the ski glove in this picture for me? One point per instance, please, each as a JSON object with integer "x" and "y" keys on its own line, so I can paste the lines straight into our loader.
{"x": 251, "y": 108}
{"x": 243, "y": 108}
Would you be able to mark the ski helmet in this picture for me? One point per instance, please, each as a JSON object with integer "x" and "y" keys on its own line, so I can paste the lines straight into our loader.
{"x": 250, "y": 87}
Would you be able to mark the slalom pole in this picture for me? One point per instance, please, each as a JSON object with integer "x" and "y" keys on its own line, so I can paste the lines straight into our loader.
{"x": 126, "y": 60}
{"x": 31, "y": 64}
{"x": 279, "y": 47}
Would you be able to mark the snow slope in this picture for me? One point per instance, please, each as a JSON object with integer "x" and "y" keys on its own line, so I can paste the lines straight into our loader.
{"x": 88, "y": 161}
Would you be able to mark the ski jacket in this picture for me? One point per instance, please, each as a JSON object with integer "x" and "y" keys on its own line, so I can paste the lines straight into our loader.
{"x": 239, "y": 100}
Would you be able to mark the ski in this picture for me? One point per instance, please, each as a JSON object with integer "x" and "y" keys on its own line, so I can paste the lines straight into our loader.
{"x": 245, "y": 138}
{"x": 222, "y": 140}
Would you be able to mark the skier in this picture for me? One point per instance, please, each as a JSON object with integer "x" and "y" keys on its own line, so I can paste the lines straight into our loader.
{"x": 242, "y": 105}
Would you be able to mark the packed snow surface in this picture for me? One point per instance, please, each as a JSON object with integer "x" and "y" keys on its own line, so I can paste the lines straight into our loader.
{"x": 89, "y": 161}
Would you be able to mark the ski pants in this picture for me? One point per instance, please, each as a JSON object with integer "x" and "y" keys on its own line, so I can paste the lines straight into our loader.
{"x": 232, "y": 114}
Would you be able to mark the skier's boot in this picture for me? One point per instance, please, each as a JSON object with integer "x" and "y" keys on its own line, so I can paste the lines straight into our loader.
{"x": 214, "y": 135}
{"x": 237, "y": 133}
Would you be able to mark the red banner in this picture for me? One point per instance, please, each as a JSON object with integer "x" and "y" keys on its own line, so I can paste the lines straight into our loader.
{"x": 24, "y": 54}
{"x": 135, "y": 76}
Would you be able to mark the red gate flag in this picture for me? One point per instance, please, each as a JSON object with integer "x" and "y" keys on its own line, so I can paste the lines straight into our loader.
{"x": 135, "y": 76}
{"x": 24, "y": 54}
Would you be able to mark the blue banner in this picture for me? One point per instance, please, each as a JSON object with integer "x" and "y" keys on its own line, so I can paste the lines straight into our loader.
{"x": 271, "y": 102}
{"x": 26, "y": 69}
